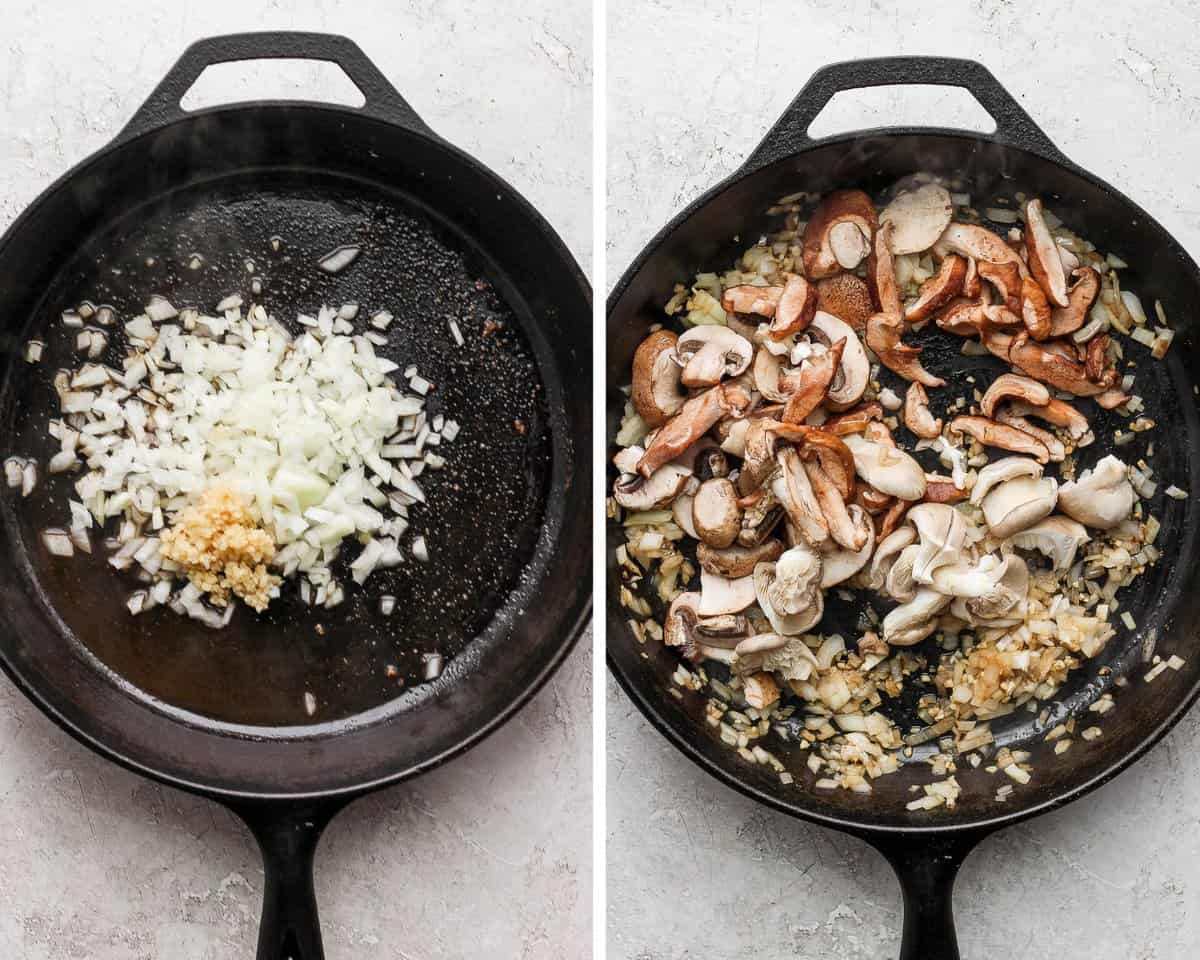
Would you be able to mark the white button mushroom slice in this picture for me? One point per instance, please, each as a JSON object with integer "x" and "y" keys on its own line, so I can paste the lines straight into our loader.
{"x": 839, "y": 564}
{"x": 791, "y": 597}
{"x": 1044, "y": 262}
{"x": 885, "y": 556}
{"x": 657, "y": 394}
{"x": 635, "y": 492}
{"x": 854, "y": 372}
{"x": 1057, "y": 537}
{"x": 1015, "y": 504}
{"x": 681, "y": 629}
{"x": 913, "y": 621}
{"x": 709, "y": 353}
{"x": 716, "y": 516}
{"x": 719, "y": 595}
{"x": 1099, "y": 498}
{"x": 918, "y": 217}
{"x": 887, "y": 469}
{"x": 943, "y": 536}
{"x": 787, "y": 657}
{"x": 681, "y": 510}
{"x": 1007, "y": 468}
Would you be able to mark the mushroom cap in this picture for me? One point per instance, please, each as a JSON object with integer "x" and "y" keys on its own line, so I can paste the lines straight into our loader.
{"x": 840, "y": 564}
{"x": 1044, "y": 262}
{"x": 998, "y": 471}
{"x": 1016, "y": 504}
{"x": 917, "y": 417}
{"x": 794, "y": 490}
{"x": 918, "y": 217}
{"x": 738, "y": 560}
{"x": 795, "y": 310}
{"x": 800, "y": 590}
{"x": 635, "y": 492}
{"x": 1013, "y": 385}
{"x": 913, "y": 621}
{"x": 657, "y": 394}
{"x": 943, "y": 536}
{"x": 788, "y": 657}
{"x": 900, "y": 584}
{"x": 838, "y": 234}
{"x": 770, "y": 379}
{"x": 978, "y": 243}
{"x": 1057, "y": 537}
{"x": 716, "y": 515}
{"x": 1080, "y": 297}
{"x": 847, "y": 297}
{"x": 888, "y": 549}
{"x": 854, "y": 372}
{"x": 1099, "y": 498}
{"x": 939, "y": 289}
{"x": 710, "y": 352}
{"x": 720, "y": 595}
{"x": 681, "y": 618}
{"x": 887, "y": 469}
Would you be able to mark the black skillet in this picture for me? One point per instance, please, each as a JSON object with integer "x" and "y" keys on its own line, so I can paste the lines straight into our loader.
{"x": 926, "y": 849}
{"x": 504, "y": 595}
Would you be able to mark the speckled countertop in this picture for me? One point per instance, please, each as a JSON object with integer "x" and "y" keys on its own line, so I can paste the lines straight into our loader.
{"x": 492, "y": 849}
{"x": 696, "y": 871}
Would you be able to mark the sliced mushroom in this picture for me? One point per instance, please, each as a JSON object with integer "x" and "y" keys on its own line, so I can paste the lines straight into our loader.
{"x": 1096, "y": 362}
{"x": 1055, "y": 448}
{"x": 887, "y": 469}
{"x": 917, "y": 417}
{"x": 838, "y": 234}
{"x": 899, "y": 583}
{"x": 841, "y": 527}
{"x": 1009, "y": 385}
{"x": 791, "y": 485}
{"x": 726, "y": 630}
{"x": 840, "y": 564}
{"x": 681, "y": 510}
{"x": 1044, "y": 362}
{"x": 1057, "y": 537}
{"x": 635, "y": 492}
{"x": 938, "y": 290}
{"x": 657, "y": 395}
{"x": 993, "y": 434}
{"x": 710, "y": 352}
{"x": 1004, "y": 604}
{"x": 912, "y": 622}
{"x": 788, "y": 658}
{"x": 771, "y": 379}
{"x": 888, "y": 550}
{"x": 626, "y": 459}
{"x": 758, "y": 456}
{"x": 1035, "y": 310}
{"x": 1060, "y": 414}
{"x": 816, "y": 374}
{"x": 691, "y": 423}
{"x": 855, "y": 420}
{"x": 796, "y": 308}
{"x": 881, "y": 276}
{"x": 1007, "y": 468}
{"x": 737, "y": 561}
{"x": 719, "y": 595}
{"x": 1080, "y": 297}
{"x": 716, "y": 516}
{"x": 681, "y": 619}
{"x": 1044, "y": 262}
{"x": 1005, "y": 278}
{"x": 918, "y": 217}
{"x": 846, "y": 297}
{"x": 961, "y": 317}
{"x": 853, "y": 373}
{"x": 1099, "y": 498}
{"x": 942, "y": 489}
{"x": 760, "y": 520}
{"x": 746, "y": 298}
{"x": 872, "y": 500}
{"x": 943, "y": 535}
{"x": 891, "y": 520}
{"x": 1018, "y": 503}
{"x": 977, "y": 243}
{"x": 883, "y": 337}
{"x": 789, "y": 591}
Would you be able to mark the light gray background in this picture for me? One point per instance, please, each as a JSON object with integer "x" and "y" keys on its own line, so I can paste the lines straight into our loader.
{"x": 696, "y": 871}
{"x": 489, "y": 856}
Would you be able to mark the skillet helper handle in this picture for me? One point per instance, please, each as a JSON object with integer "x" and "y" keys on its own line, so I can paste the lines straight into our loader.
{"x": 382, "y": 100}
{"x": 290, "y": 928}
{"x": 1014, "y": 127}
{"x": 926, "y": 866}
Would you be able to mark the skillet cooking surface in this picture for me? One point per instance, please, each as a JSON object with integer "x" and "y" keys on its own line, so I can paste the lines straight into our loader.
{"x": 485, "y": 506}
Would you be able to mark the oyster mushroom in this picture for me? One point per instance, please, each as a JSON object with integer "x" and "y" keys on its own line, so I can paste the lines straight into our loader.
{"x": 1099, "y": 498}
{"x": 1044, "y": 262}
{"x": 1080, "y": 297}
{"x": 942, "y": 532}
{"x": 969, "y": 580}
{"x": 1060, "y": 414}
{"x": 1006, "y": 279}
{"x": 789, "y": 590}
{"x": 854, "y": 371}
{"x": 838, "y": 234}
{"x": 691, "y": 423}
{"x": 846, "y": 297}
{"x": 993, "y": 434}
{"x": 840, "y": 564}
{"x": 795, "y": 310}
{"x": 888, "y": 549}
{"x": 872, "y": 500}
{"x": 917, "y": 417}
{"x": 938, "y": 290}
{"x": 747, "y": 298}
{"x": 1007, "y": 468}
{"x": 786, "y": 657}
{"x": 1057, "y": 537}
{"x": 636, "y": 492}
{"x": 716, "y": 516}
{"x": 816, "y": 374}
{"x": 900, "y": 584}
{"x": 1013, "y": 385}
{"x": 737, "y": 561}
{"x": 977, "y": 243}
{"x": 794, "y": 490}
{"x": 1035, "y": 310}
{"x": 657, "y": 395}
{"x": 720, "y": 595}
{"x": 1015, "y": 504}
{"x": 918, "y": 217}
{"x": 887, "y": 469}
{"x": 883, "y": 337}
{"x": 881, "y": 276}
{"x": 710, "y": 352}
{"x": 1003, "y": 605}
{"x": 912, "y": 622}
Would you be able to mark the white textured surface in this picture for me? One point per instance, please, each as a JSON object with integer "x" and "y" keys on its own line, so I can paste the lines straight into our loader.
{"x": 494, "y": 849}
{"x": 697, "y": 872}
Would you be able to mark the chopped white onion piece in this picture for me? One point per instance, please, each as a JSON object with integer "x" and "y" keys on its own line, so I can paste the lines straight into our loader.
{"x": 338, "y": 260}
{"x": 58, "y": 543}
{"x": 33, "y": 351}
{"x": 387, "y": 603}
{"x": 420, "y": 550}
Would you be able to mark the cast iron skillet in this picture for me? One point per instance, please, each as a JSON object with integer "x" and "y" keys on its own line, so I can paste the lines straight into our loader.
{"x": 441, "y": 237}
{"x": 926, "y": 849}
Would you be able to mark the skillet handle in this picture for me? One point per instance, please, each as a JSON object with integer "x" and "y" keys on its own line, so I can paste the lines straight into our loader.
{"x": 381, "y": 99}
{"x": 1014, "y": 127}
{"x": 287, "y": 837}
{"x": 926, "y": 865}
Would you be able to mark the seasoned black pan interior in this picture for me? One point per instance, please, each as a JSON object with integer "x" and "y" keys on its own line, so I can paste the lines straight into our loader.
{"x": 1163, "y": 602}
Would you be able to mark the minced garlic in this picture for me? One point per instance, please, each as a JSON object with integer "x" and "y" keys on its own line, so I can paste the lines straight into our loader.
{"x": 222, "y": 549}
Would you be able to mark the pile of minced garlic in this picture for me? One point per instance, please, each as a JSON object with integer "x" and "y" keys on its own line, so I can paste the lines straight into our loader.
{"x": 221, "y": 548}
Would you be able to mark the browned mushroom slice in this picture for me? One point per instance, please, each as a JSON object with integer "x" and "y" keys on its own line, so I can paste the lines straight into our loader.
{"x": 881, "y": 276}
{"x": 978, "y": 244}
{"x": 887, "y": 524}
{"x": 917, "y": 417}
{"x": 691, "y": 423}
{"x": 1013, "y": 385}
{"x": 841, "y": 528}
{"x": 918, "y": 217}
{"x": 1048, "y": 363}
{"x": 1035, "y": 310}
{"x": 710, "y": 352}
{"x": 853, "y": 374}
{"x": 838, "y": 235}
{"x": 815, "y": 376}
{"x": 1081, "y": 296}
{"x": 1112, "y": 398}
{"x": 993, "y": 434}
{"x": 759, "y": 456}
{"x": 872, "y": 500}
{"x": 1096, "y": 362}
{"x": 1054, "y": 447}
{"x": 883, "y": 337}
{"x": 791, "y": 485}
{"x": 834, "y": 455}
{"x": 938, "y": 290}
{"x": 941, "y": 489}
{"x": 751, "y": 299}
{"x": 961, "y": 317}
{"x": 796, "y": 308}
{"x": 737, "y": 561}
{"x": 847, "y": 297}
{"x": 971, "y": 284}
{"x": 1044, "y": 261}
{"x": 1006, "y": 278}
{"x": 879, "y": 432}
{"x": 657, "y": 395}
{"x": 1060, "y": 414}
{"x": 854, "y": 421}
